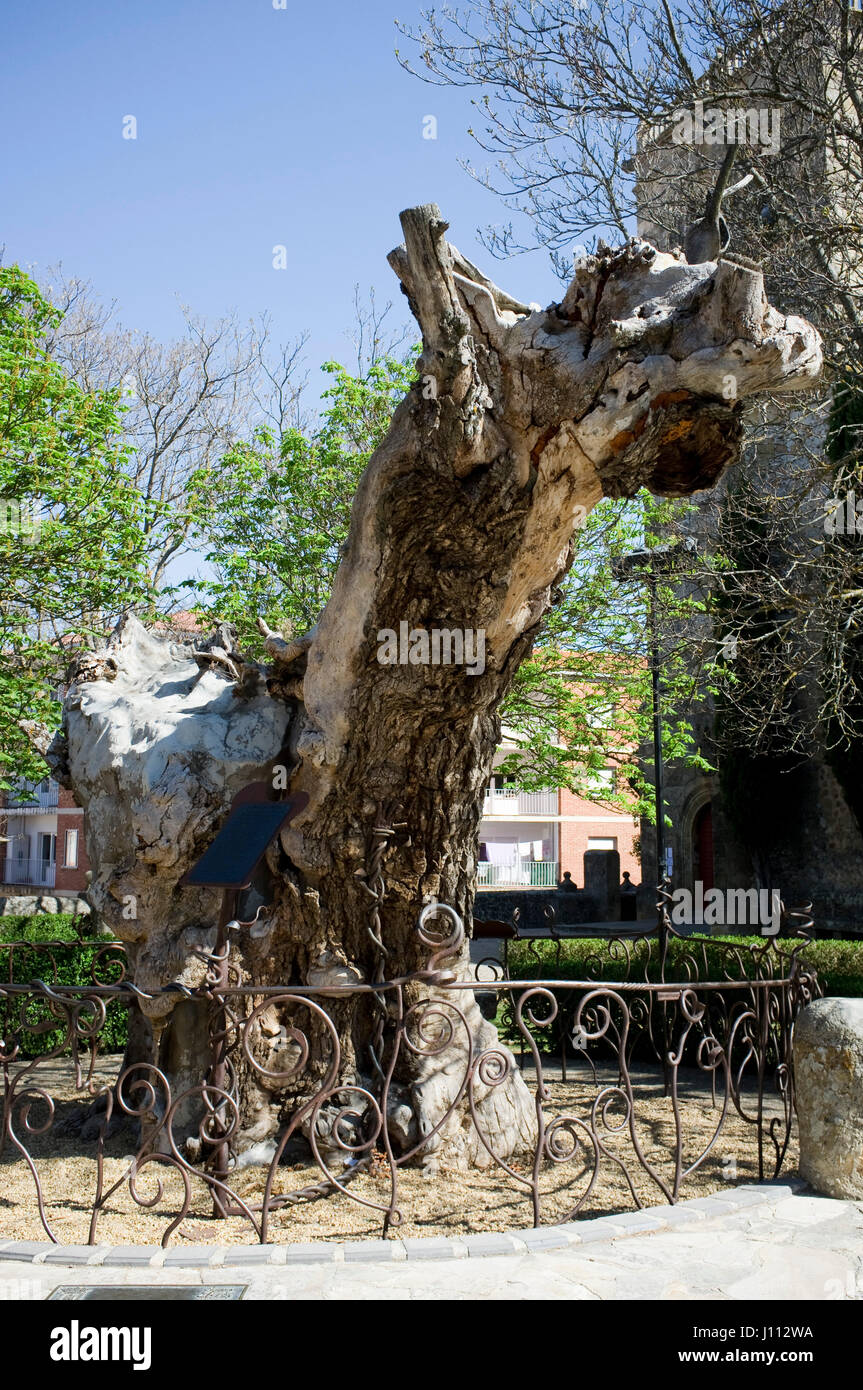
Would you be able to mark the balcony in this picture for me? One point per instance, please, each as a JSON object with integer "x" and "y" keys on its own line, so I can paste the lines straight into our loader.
{"x": 33, "y": 798}
{"x": 35, "y": 873}
{"x": 528, "y": 873}
{"x": 505, "y": 801}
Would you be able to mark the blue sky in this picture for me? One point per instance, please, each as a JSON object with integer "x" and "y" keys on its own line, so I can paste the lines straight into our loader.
{"x": 256, "y": 127}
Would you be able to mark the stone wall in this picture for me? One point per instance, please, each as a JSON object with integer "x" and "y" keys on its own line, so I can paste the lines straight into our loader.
{"x": 598, "y": 901}
{"x": 570, "y": 908}
{"x": 31, "y": 904}
{"x": 820, "y": 858}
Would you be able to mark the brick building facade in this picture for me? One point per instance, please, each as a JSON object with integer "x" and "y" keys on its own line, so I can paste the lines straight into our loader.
{"x": 42, "y": 849}
{"x": 530, "y": 839}
{"x": 585, "y": 825}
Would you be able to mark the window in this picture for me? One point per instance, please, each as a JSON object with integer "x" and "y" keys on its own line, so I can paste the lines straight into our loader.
{"x": 70, "y": 853}
{"x": 610, "y": 842}
{"x": 601, "y": 716}
{"x": 599, "y": 781}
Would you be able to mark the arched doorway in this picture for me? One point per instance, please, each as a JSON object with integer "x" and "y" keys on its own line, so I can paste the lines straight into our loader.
{"x": 702, "y": 846}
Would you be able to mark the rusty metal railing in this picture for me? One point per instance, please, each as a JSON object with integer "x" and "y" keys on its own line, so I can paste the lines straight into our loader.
{"x": 590, "y": 1050}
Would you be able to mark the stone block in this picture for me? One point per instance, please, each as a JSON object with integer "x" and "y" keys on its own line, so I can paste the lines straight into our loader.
{"x": 253, "y": 1255}
{"x": 602, "y": 881}
{"x": 432, "y": 1248}
{"x": 362, "y": 1250}
{"x": 76, "y": 1255}
{"x": 599, "y": 1228}
{"x": 488, "y": 1243}
{"x": 634, "y": 1223}
{"x": 828, "y": 1072}
{"x": 312, "y": 1253}
{"x": 191, "y": 1257}
{"x": 545, "y": 1238}
{"x": 134, "y": 1255}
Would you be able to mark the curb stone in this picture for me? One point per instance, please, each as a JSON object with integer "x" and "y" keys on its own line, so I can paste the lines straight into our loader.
{"x": 435, "y": 1248}
{"x": 624, "y": 1225}
{"x": 232, "y": 1256}
{"x": 634, "y": 1223}
{"x": 77, "y": 1254}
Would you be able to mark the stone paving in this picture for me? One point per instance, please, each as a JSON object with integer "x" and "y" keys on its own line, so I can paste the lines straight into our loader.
{"x": 765, "y": 1241}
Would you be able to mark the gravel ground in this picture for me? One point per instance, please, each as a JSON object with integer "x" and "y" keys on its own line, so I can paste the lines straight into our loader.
{"x": 446, "y": 1203}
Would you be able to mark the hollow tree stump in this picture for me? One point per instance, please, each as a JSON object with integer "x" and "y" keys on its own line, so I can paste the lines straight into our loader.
{"x": 520, "y": 420}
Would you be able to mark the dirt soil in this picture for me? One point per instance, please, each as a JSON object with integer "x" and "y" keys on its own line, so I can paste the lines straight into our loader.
{"x": 441, "y": 1203}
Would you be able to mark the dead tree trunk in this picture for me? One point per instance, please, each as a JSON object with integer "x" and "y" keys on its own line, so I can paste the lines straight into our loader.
{"x": 519, "y": 422}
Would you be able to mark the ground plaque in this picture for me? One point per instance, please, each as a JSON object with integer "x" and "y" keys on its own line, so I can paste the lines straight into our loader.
{"x": 147, "y": 1293}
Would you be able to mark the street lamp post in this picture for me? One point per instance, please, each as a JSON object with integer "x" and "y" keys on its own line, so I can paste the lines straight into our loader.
{"x": 646, "y": 565}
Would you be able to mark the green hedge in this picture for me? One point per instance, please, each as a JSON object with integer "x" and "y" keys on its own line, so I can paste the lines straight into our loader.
{"x": 43, "y": 926}
{"x": 61, "y": 960}
{"x": 839, "y": 964}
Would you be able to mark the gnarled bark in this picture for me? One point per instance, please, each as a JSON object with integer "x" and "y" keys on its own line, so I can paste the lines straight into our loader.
{"x": 520, "y": 421}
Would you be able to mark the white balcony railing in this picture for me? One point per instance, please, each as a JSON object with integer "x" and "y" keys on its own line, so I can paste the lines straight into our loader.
{"x": 537, "y": 803}
{"x": 502, "y": 801}
{"x": 528, "y": 873}
{"x": 30, "y": 798}
{"x": 37, "y": 873}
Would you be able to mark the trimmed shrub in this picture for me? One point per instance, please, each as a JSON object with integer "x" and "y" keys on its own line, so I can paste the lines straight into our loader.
{"x": 839, "y": 964}
{"x": 47, "y": 947}
{"x": 43, "y": 926}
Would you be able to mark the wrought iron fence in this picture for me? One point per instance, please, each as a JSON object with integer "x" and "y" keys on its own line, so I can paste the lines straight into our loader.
{"x": 600, "y": 1058}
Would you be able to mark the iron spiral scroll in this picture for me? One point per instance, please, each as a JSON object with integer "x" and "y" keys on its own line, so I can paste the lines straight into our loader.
{"x": 582, "y": 1047}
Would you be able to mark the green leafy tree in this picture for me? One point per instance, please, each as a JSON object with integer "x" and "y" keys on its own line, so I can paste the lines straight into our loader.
{"x": 274, "y": 515}
{"x": 71, "y": 523}
{"x": 580, "y": 710}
